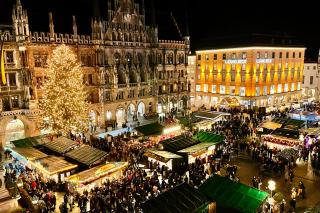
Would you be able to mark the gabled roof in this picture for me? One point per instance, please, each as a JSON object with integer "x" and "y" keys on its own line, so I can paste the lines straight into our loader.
{"x": 180, "y": 199}
{"x": 61, "y": 145}
{"x": 30, "y": 142}
{"x": 177, "y": 143}
{"x": 87, "y": 155}
{"x": 162, "y": 156}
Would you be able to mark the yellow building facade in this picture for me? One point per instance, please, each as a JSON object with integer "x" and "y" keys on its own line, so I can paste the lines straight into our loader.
{"x": 249, "y": 76}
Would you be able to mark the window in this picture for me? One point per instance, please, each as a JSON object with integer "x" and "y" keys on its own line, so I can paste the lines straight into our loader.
{"x": 311, "y": 80}
{"x": 199, "y": 57}
{"x": 233, "y": 56}
{"x": 198, "y": 77}
{"x": 279, "y": 88}
{"x": 90, "y": 79}
{"x": 257, "y": 91}
{"x": 299, "y": 86}
{"x": 243, "y": 67}
{"x": 233, "y": 76}
{"x": 214, "y": 67}
{"x": 243, "y": 77}
{"x": 205, "y": 88}
{"x": 198, "y": 66}
{"x": 215, "y": 56}
{"x": 9, "y": 57}
{"x": 257, "y": 77}
{"x": 233, "y": 66}
{"x": 293, "y": 55}
{"x": 214, "y": 89}
{"x": 207, "y": 77}
{"x": 207, "y": 57}
{"x": 224, "y": 56}
{"x": 292, "y": 86}
{"x": 15, "y": 101}
{"x": 265, "y": 55}
{"x": 232, "y": 90}
{"x": 280, "y": 66}
{"x": 207, "y": 67}
{"x": 242, "y": 91}
{"x": 271, "y": 89}
{"x": 303, "y": 79}
{"x": 307, "y": 67}
{"x": 258, "y": 54}
{"x": 265, "y": 90}
{"x": 280, "y": 55}
{"x": 286, "y": 88}
{"x": 286, "y": 65}
{"x": 314, "y": 67}
{"x": 299, "y": 54}
{"x": 215, "y": 77}
{"x": 265, "y": 76}
{"x": 198, "y": 88}
{"x": 287, "y": 54}
{"x": 244, "y": 55}
{"x": 273, "y": 54}
{"x": 12, "y": 79}
{"x": 223, "y": 76}
{"x": 222, "y": 89}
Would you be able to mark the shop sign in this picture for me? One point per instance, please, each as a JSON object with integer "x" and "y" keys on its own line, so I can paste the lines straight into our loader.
{"x": 264, "y": 60}
{"x": 235, "y": 61}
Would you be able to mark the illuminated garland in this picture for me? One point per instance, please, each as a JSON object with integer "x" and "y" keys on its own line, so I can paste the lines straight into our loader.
{"x": 286, "y": 142}
{"x": 64, "y": 97}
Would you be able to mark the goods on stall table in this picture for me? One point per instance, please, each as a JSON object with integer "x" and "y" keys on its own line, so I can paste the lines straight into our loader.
{"x": 281, "y": 141}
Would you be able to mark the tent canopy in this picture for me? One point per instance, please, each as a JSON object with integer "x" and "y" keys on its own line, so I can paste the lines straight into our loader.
{"x": 30, "y": 142}
{"x": 61, "y": 145}
{"x": 177, "y": 143}
{"x": 87, "y": 155}
{"x": 197, "y": 148}
{"x": 150, "y": 129}
{"x": 208, "y": 137}
{"x": 271, "y": 125}
{"x": 180, "y": 199}
{"x": 232, "y": 195}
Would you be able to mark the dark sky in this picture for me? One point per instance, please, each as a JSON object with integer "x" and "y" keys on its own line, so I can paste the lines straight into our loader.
{"x": 208, "y": 20}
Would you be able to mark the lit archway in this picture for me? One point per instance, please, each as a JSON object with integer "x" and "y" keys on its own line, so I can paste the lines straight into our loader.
{"x": 15, "y": 130}
{"x": 131, "y": 112}
{"x": 120, "y": 116}
{"x": 141, "y": 109}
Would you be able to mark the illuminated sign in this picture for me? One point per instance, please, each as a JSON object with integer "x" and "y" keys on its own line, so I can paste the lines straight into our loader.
{"x": 264, "y": 60}
{"x": 235, "y": 61}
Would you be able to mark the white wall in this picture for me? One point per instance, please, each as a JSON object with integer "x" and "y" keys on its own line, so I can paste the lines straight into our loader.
{"x": 310, "y": 70}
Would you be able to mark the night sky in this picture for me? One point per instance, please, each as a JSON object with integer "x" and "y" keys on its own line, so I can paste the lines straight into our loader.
{"x": 211, "y": 22}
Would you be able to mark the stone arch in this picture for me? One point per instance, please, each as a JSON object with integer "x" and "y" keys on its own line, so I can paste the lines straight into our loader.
{"x": 141, "y": 109}
{"x": 120, "y": 115}
{"x": 122, "y": 76}
{"x": 143, "y": 76}
{"x": 131, "y": 111}
{"x": 114, "y": 36}
{"x": 30, "y": 127}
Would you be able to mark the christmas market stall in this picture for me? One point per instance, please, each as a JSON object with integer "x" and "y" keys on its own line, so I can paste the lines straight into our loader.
{"x": 180, "y": 199}
{"x": 177, "y": 143}
{"x": 168, "y": 159}
{"x": 61, "y": 145}
{"x": 88, "y": 179}
{"x": 231, "y": 196}
{"x": 87, "y": 156}
{"x": 150, "y": 129}
{"x": 280, "y": 142}
{"x": 36, "y": 141}
{"x": 53, "y": 167}
{"x": 26, "y": 154}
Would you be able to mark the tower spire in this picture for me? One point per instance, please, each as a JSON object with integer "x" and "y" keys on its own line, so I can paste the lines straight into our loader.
{"x": 74, "y": 27}
{"x": 51, "y": 25}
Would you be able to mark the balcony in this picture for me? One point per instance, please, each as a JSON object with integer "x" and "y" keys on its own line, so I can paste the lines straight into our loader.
{"x": 144, "y": 84}
{"x": 7, "y": 89}
{"x": 122, "y": 85}
{"x": 21, "y": 112}
{"x": 133, "y": 84}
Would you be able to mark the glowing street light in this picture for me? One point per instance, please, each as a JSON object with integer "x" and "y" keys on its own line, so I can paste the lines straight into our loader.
{"x": 271, "y": 186}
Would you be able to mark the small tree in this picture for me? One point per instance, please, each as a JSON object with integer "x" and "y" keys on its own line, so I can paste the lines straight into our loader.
{"x": 64, "y": 97}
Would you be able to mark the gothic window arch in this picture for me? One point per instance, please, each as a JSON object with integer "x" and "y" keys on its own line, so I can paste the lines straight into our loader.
{"x": 140, "y": 59}
{"x": 114, "y": 36}
{"x": 159, "y": 58}
{"x": 170, "y": 58}
{"x": 121, "y": 76}
{"x": 129, "y": 59}
{"x": 117, "y": 58}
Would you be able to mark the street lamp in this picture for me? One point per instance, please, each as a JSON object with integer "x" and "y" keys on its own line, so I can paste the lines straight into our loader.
{"x": 271, "y": 186}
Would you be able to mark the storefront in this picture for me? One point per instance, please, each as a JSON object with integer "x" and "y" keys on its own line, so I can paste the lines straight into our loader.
{"x": 164, "y": 158}
{"x": 201, "y": 150}
{"x": 279, "y": 142}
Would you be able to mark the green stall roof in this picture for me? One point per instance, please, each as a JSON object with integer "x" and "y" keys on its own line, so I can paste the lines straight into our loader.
{"x": 231, "y": 195}
{"x": 150, "y": 129}
{"x": 30, "y": 142}
{"x": 209, "y": 137}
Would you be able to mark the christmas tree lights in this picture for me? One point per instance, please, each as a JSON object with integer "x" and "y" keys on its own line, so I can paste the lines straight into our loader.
{"x": 64, "y": 97}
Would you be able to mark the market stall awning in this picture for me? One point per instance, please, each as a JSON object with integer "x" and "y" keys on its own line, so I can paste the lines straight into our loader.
{"x": 61, "y": 145}
{"x": 180, "y": 199}
{"x": 87, "y": 155}
{"x": 29, "y": 153}
{"x": 162, "y": 156}
{"x": 231, "y": 195}
{"x": 177, "y": 143}
{"x": 288, "y": 133}
{"x": 30, "y": 142}
{"x": 312, "y": 131}
{"x": 197, "y": 148}
{"x": 271, "y": 125}
{"x": 97, "y": 172}
{"x": 150, "y": 129}
{"x": 208, "y": 137}
{"x": 52, "y": 165}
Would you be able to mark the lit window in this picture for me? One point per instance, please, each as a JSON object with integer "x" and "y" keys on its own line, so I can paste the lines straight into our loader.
{"x": 279, "y": 88}
{"x": 257, "y": 91}
{"x": 205, "y": 88}
{"x": 215, "y": 56}
{"x": 286, "y": 88}
{"x": 242, "y": 91}
{"x": 299, "y": 86}
{"x": 271, "y": 89}
{"x": 222, "y": 89}
{"x": 243, "y": 66}
{"x": 244, "y": 55}
{"x": 214, "y": 67}
{"x": 207, "y": 57}
{"x": 198, "y": 87}
{"x": 258, "y": 55}
{"x": 198, "y": 76}
{"x": 292, "y": 86}
{"x": 265, "y": 55}
{"x": 233, "y": 56}
{"x": 214, "y": 89}
{"x": 265, "y": 90}
{"x": 232, "y": 90}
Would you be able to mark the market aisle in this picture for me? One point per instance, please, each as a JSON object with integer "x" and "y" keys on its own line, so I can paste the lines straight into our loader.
{"x": 59, "y": 196}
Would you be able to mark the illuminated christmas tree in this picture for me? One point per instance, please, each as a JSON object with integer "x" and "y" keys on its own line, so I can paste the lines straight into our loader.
{"x": 64, "y": 97}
